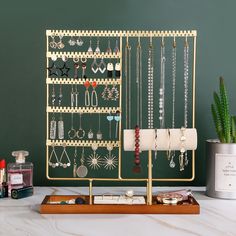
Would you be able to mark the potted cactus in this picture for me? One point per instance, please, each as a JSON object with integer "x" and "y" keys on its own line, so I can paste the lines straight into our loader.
{"x": 221, "y": 152}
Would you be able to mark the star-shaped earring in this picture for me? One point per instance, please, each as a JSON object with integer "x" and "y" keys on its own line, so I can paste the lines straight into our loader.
{"x": 64, "y": 70}
{"x": 52, "y": 70}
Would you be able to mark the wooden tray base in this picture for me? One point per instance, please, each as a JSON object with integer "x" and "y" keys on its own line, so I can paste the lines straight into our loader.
{"x": 187, "y": 207}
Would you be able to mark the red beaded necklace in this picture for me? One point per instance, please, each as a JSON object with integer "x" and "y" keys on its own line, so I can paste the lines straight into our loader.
{"x": 137, "y": 167}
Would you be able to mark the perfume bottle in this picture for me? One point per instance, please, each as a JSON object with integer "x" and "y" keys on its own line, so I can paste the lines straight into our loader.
{"x": 3, "y": 185}
{"x": 20, "y": 173}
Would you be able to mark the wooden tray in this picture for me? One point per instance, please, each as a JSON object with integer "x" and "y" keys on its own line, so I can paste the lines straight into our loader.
{"x": 187, "y": 207}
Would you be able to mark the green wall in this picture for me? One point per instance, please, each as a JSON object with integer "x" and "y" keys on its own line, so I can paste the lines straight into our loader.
{"x": 22, "y": 60}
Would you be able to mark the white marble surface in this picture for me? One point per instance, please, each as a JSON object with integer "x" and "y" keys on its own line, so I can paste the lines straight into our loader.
{"x": 21, "y": 217}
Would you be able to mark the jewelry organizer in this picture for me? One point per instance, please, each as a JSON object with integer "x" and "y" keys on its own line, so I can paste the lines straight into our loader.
{"x": 151, "y": 206}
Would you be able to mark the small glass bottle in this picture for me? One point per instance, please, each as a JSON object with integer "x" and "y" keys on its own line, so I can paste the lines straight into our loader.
{"x": 20, "y": 173}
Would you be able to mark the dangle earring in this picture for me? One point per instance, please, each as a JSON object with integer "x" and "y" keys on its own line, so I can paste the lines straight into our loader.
{"x": 99, "y": 133}
{"x": 60, "y": 44}
{"x": 116, "y": 49}
{"x": 64, "y": 69}
{"x": 90, "y": 50}
{"x": 97, "y": 50}
{"x": 94, "y": 66}
{"x": 75, "y": 164}
{"x": 60, "y": 127}
{"x": 106, "y": 92}
{"x": 150, "y": 85}
{"x": 102, "y": 66}
{"x": 53, "y": 44}
{"x": 94, "y": 160}
{"x": 84, "y": 60}
{"x": 72, "y": 131}
{"x": 64, "y": 152}
{"x": 117, "y": 119}
{"x": 110, "y": 69}
{"x": 76, "y": 67}
{"x": 72, "y": 41}
{"x": 109, "y": 50}
{"x": 86, "y": 94}
{"x": 60, "y": 96}
{"x": 94, "y": 96}
{"x": 82, "y": 170}
{"x": 186, "y": 79}
{"x": 79, "y": 42}
{"x": 80, "y": 133}
{"x": 52, "y": 70}
{"x": 53, "y": 153}
{"x": 110, "y": 161}
{"x": 53, "y": 96}
{"x": 117, "y": 69}
{"x": 90, "y": 133}
{"x": 162, "y": 87}
{"x": 53, "y": 127}
{"x": 172, "y": 153}
{"x": 114, "y": 93}
{"x": 110, "y": 118}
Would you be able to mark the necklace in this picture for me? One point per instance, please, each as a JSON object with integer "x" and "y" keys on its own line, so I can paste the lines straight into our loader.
{"x": 150, "y": 85}
{"x": 162, "y": 87}
{"x": 82, "y": 170}
{"x": 172, "y": 153}
{"x": 186, "y": 78}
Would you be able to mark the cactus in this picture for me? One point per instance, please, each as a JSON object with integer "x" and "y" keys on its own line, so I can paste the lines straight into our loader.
{"x": 225, "y": 124}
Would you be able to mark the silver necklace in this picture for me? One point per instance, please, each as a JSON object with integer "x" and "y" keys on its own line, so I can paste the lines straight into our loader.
{"x": 150, "y": 85}
{"x": 186, "y": 79}
{"x": 128, "y": 84}
{"x": 75, "y": 164}
{"x": 172, "y": 153}
{"x": 162, "y": 87}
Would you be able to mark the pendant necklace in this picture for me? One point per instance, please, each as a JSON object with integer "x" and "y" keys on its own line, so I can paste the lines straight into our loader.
{"x": 172, "y": 153}
{"x": 162, "y": 87}
{"x": 82, "y": 170}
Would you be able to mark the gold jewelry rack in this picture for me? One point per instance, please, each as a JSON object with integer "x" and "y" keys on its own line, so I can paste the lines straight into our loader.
{"x": 118, "y": 34}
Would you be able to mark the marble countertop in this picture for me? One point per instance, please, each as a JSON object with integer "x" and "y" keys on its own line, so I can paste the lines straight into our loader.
{"x": 22, "y": 218}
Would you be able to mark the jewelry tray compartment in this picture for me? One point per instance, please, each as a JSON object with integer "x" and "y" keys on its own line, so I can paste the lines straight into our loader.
{"x": 190, "y": 206}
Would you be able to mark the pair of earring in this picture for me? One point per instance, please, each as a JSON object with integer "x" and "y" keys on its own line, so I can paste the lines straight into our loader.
{"x": 116, "y": 49}
{"x": 90, "y": 49}
{"x": 110, "y": 94}
{"x": 94, "y": 96}
{"x": 95, "y": 67}
{"x": 73, "y": 41}
{"x": 59, "y": 161}
{"x": 116, "y": 118}
{"x": 54, "y": 44}
{"x": 110, "y": 69}
{"x": 76, "y": 66}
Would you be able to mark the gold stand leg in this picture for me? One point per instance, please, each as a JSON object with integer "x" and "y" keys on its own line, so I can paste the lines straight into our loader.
{"x": 90, "y": 192}
{"x": 149, "y": 185}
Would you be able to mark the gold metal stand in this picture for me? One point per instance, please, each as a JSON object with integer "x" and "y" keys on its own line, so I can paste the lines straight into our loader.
{"x": 49, "y": 109}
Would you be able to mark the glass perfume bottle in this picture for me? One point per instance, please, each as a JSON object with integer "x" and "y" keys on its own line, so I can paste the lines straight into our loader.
{"x": 20, "y": 173}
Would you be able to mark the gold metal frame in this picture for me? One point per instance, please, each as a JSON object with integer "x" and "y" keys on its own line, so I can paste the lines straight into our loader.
{"x": 120, "y": 34}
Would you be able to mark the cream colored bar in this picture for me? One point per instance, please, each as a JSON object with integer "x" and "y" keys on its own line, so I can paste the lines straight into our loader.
{"x": 82, "y": 81}
{"x": 83, "y": 109}
{"x": 120, "y": 33}
{"x": 81, "y": 143}
{"x": 82, "y": 55}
